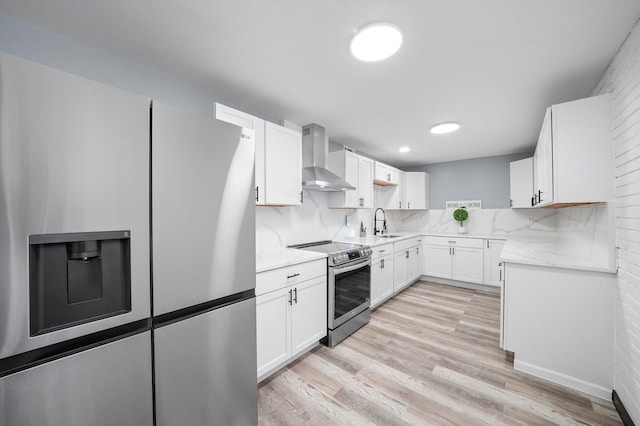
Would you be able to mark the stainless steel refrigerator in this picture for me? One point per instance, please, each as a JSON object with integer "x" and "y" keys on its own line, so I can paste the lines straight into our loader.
{"x": 127, "y": 258}
{"x": 203, "y": 216}
{"x": 75, "y": 338}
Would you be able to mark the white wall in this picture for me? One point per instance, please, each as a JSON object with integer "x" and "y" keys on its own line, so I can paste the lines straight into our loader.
{"x": 622, "y": 79}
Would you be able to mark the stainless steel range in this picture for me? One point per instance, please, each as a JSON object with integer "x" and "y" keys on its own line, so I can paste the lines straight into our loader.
{"x": 348, "y": 287}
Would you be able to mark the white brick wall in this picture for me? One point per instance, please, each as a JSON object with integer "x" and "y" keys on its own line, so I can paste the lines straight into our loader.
{"x": 622, "y": 79}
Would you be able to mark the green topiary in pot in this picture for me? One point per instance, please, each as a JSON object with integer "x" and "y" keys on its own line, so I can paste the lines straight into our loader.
{"x": 460, "y": 215}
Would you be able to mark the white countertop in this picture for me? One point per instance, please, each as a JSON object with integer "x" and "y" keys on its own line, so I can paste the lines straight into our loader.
{"x": 273, "y": 259}
{"x": 554, "y": 250}
{"x": 559, "y": 251}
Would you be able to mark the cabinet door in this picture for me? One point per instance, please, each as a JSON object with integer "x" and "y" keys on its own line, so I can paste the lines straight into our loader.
{"x": 419, "y": 261}
{"x": 521, "y": 183}
{"x": 365, "y": 183}
{"x": 283, "y": 165}
{"x": 411, "y": 261}
{"x": 492, "y": 268}
{"x": 273, "y": 328}
{"x": 397, "y": 199}
{"x": 467, "y": 264}
{"x": 242, "y": 119}
{"x": 415, "y": 190}
{"x": 351, "y": 198}
{"x": 381, "y": 279}
{"x": 543, "y": 164}
{"x": 309, "y": 313}
{"x": 399, "y": 270}
{"x": 437, "y": 261}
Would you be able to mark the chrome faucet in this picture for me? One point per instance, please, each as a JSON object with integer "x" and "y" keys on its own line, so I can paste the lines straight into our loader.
{"x": 376, "y": 220}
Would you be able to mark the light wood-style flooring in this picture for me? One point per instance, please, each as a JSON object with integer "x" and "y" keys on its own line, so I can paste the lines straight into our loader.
{"x": 429, "y": 356}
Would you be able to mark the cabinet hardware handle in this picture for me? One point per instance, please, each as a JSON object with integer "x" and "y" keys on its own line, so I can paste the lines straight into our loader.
{"x": 399, "y": 204}
{"x": 417, "y": 250}
{"x": 540, "y": 196}
{"x": 301, "y": 197}
{"x": 361, "y": 202}
{"x": 381, "y": 251}
{"x": 510, "y": 203}
{"x": 535, "y": 199}
{"x": 451, "y": 242}
{"x": 257, "y": 193}
{"x": 532, "y": 202}
{"x": 381, "y": 263}
{"x": 294, "y": 275}
{"x": 406, "y": 254}
{"x": 501, "y": 274}
{"x": 389, "y": 177}
{"x": 295, "y": 295}
{"x": 449, "y": 251}
{"x": 290, "y": 298}
{"x": 487, "y": 243}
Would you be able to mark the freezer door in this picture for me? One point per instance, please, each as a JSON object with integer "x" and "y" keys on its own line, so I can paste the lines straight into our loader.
{"x": 203, "y": 209}
{"x": 74, "y": 158}
{"x": 205, "y": 368}
{"x": 103, "y": 386}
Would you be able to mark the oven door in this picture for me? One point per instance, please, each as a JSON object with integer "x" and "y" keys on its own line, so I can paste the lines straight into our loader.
{"x": 349, "y": 291}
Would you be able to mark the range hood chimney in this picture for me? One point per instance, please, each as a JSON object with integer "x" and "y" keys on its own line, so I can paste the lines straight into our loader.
{"x": 315, "y": 175}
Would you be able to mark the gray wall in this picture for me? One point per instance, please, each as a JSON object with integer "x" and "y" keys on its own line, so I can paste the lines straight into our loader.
{"x": 485, "y": 179}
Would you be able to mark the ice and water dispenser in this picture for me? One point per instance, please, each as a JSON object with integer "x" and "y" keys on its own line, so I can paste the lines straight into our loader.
{"x": 76, "y": 278}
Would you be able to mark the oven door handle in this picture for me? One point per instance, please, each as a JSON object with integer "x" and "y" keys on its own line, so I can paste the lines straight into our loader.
{"x": 349, "y": 268}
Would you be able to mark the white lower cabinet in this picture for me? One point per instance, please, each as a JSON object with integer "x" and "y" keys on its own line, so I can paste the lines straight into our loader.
{"x": 291, "y": 313}
{"x": 405, "y": 262}
{"x": 492, "y": 264}
{"x": 460, "y": 259}
{"x": 381, "y": 274}
{"x": 559, "y": 323}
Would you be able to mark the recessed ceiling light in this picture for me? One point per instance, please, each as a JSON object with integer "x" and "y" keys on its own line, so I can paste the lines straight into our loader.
{"x": 441, "y": 128}
{"x": 376, "y": 42}
{"x": 404, "y": 149}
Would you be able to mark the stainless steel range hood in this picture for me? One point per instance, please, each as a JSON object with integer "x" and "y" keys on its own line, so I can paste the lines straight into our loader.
{"x": 314, "y": 162}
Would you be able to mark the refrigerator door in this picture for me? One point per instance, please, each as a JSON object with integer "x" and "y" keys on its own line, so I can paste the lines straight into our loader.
{"x": 74, "y": 158}
{"x": 103, "y": 386}
{"x": 205, "y": 368}
{"x": 203, "y": 209}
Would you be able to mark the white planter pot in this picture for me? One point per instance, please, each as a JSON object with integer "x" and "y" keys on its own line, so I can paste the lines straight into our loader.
{"x": 462, "y": 230}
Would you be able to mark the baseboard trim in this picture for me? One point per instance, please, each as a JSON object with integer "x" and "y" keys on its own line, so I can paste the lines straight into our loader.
{"x": 562, "y": 379}
{"x": 622, "y": 412}
{"x": 462, "y": 284}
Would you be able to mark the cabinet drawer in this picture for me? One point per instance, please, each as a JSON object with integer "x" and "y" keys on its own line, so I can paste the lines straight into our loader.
{"x": 455, "y": 242}
{"x": 408, "y": 243}
{"x": 282, "y": 277}
{"x": 382, "y": 250}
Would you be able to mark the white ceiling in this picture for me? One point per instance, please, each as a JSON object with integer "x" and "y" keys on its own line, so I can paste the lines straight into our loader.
{"x": 492, "y": 65}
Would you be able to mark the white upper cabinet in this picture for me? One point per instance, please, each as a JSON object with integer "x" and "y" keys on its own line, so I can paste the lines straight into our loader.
{"x": 543, "y": 165}
{"x": 416, "y": 190}
{"x": 278, "y": 172}
{"x": 357, "y": 171}
{"x": 411, "y": 192}
{"x": 385, "y": 175}
{"x": 573, "y": 161}
{"x": 521, "y": 183}
{"x": 282, "y": 165}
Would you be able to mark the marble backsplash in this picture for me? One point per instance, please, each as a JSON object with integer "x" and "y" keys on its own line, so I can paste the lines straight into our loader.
{"x": 277, "y": 227}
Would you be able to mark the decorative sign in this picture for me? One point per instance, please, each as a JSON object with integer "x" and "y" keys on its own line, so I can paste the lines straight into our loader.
{"x": 469, "y": 204}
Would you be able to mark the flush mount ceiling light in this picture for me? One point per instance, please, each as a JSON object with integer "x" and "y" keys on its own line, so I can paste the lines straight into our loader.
{"x": 376, "y": 42}
{"x": 441, "y": 128}
{"x": 404, "y": 149}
